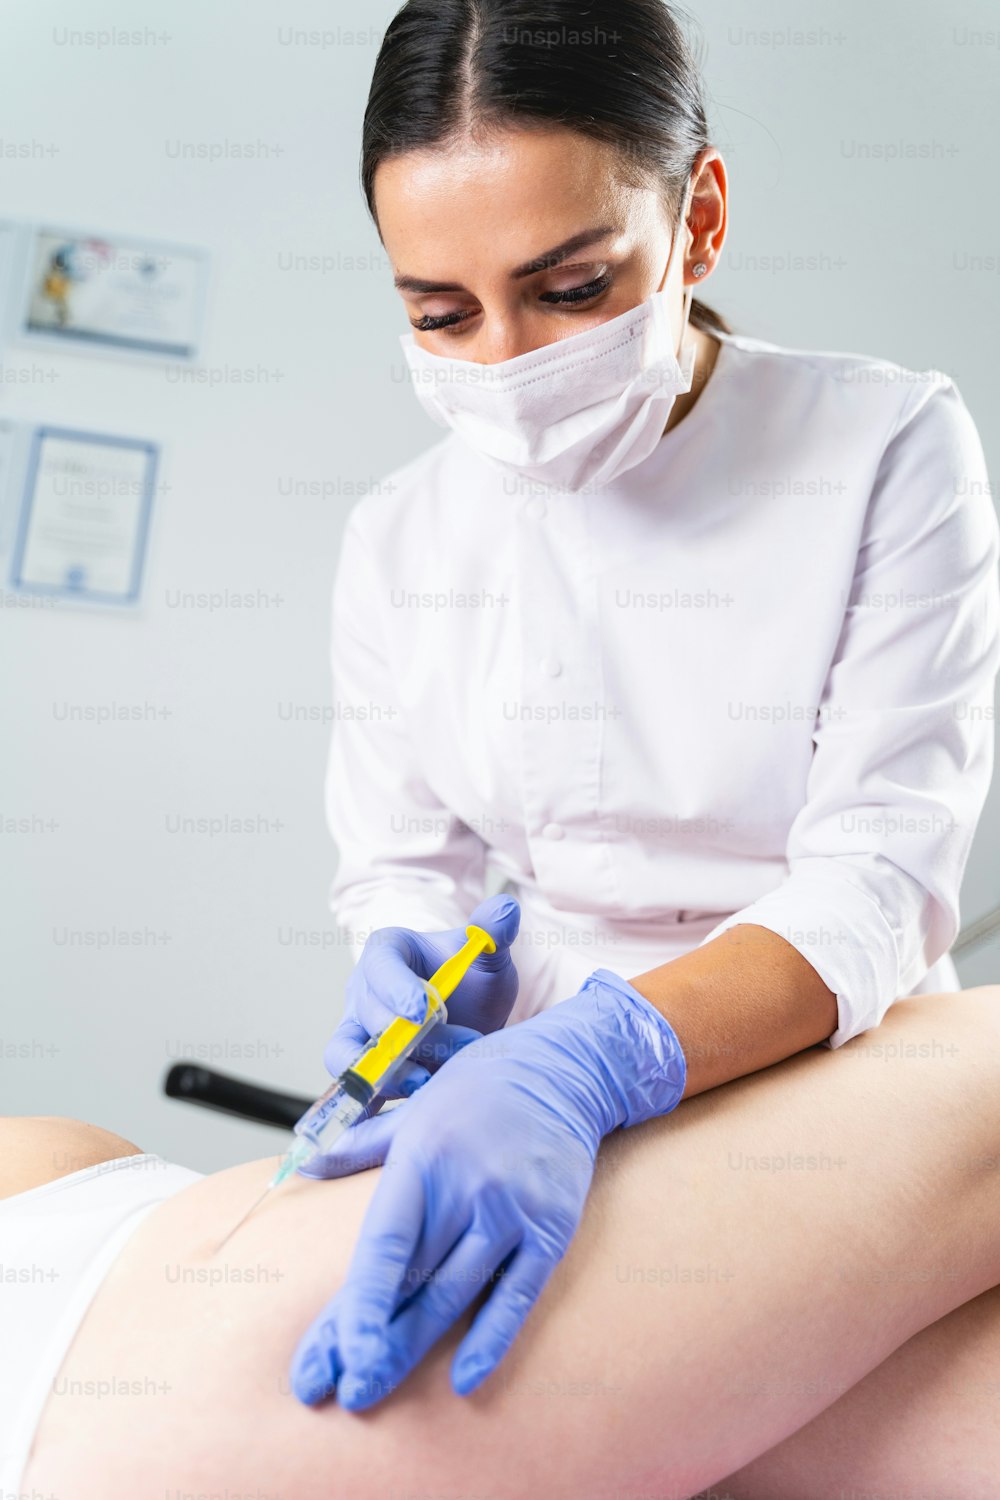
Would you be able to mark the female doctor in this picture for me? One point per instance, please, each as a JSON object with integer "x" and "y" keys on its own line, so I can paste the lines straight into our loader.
{"x": 683, "y": 639}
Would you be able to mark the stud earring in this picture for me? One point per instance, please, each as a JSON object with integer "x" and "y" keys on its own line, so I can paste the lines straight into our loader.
{"x": 700, "y": 269}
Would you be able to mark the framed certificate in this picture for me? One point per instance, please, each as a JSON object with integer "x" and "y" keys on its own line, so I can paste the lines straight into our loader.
{"x": 115, "y": 295}
{"x": 84, "y": 522}
{"x": 10, "y": 279}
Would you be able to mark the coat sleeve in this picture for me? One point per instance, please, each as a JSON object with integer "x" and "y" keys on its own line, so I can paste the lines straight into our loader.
{"x": 903, "y": 744}
{"x": 405, "y": 859}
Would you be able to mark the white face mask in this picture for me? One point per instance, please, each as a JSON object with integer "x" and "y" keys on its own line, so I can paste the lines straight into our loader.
{"x": 576, "y": 413}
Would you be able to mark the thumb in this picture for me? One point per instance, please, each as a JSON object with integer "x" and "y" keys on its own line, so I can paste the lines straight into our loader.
{"x": 365, "y": 1145}
{"x": 500, "y": 916}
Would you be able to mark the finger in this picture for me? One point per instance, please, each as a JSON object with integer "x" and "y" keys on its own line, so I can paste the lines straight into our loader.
{"x": 500, "y": 916}
{"x": 347, "y": 1044}
{"x": 446, "y": 1223}
{"x": 390, "y": 985}
{"x": 500, "y": 1320}
{"x": 364, "y": 1146}
{"x": 315, "y": 1367}
{"x": 443, "y": 1298}
{"x": 441, "y": 1043}
{"x": 389, "y": 1235}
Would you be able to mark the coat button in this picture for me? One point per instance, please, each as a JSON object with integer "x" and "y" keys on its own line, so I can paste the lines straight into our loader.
{"x": 553, "y": 831}
{"x": 551, "y": 667}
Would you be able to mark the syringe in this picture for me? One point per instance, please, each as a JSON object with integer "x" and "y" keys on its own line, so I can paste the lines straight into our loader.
{"x": 346, "y": 1100}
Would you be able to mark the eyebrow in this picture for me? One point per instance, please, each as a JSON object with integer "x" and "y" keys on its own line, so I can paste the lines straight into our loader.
{"x": 543, "y": 262}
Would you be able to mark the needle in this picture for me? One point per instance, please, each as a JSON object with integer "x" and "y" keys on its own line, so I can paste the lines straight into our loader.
{"x": 251, "y": 1210}
{"x": 347, "y": 1100}
{"x": 299, "y": 1153}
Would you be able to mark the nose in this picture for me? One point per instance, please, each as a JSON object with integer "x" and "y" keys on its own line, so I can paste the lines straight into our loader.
{"x": 497, "y": 346}
{"x": 502, "y": 338}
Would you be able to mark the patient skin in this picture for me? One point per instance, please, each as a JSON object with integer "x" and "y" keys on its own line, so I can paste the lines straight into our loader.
{"x": 681, "y": 1339}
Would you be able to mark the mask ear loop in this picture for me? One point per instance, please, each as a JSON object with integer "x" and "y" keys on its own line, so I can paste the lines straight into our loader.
{"x": 682, "y": 224}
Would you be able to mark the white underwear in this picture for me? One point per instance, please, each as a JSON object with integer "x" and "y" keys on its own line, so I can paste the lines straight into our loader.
{"x": 57, "y": 1244}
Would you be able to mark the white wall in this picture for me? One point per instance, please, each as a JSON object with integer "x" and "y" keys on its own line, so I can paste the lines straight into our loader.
{"x": 890, "y": 243}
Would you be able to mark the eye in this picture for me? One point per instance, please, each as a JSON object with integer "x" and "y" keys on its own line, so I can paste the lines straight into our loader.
{"x": 568, "y": 297}
{"x": 447, "y": 320}
{"x": 579, "y": 293}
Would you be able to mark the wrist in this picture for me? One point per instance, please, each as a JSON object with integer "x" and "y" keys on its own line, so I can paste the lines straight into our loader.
{"x": 644, "y": 1057}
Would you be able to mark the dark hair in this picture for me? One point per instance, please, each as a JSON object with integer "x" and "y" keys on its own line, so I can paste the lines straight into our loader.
{"x": 619, "y": 71}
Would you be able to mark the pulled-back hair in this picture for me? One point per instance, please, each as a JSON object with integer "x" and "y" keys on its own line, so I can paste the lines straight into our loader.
{"x": 618, "y": 71}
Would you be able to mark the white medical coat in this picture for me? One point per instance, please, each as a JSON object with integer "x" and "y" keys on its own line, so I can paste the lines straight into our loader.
{"x": 750, "y": 681}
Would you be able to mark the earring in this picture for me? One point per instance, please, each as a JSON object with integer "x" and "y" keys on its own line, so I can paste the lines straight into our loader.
{"x": 700, "y": 269}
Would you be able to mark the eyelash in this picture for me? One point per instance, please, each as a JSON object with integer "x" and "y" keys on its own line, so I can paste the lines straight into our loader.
{"x": 579, "y": 293}
{"x": 572, "y": 295}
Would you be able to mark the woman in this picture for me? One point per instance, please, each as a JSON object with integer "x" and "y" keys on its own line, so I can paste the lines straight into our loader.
{"x": 686, "y": 639}
{"x": 678, "y": 1342}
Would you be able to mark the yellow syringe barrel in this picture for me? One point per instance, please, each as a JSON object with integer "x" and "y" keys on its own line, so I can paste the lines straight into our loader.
{"x": 401, "y": 1036}
{"x": 345, "y": 1100}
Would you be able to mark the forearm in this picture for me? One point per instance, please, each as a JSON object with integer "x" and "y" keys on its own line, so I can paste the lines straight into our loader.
{"x": 740, "y": 1003}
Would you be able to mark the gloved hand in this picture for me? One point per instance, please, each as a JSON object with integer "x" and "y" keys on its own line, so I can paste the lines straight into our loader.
{"x": 489, "y": 1165}
{"x": 385, "y": 984}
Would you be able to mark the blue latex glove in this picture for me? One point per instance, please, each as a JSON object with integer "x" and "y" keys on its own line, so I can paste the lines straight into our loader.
{"x": 489, "y": 1165}
{"x": 385, "y": 984}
